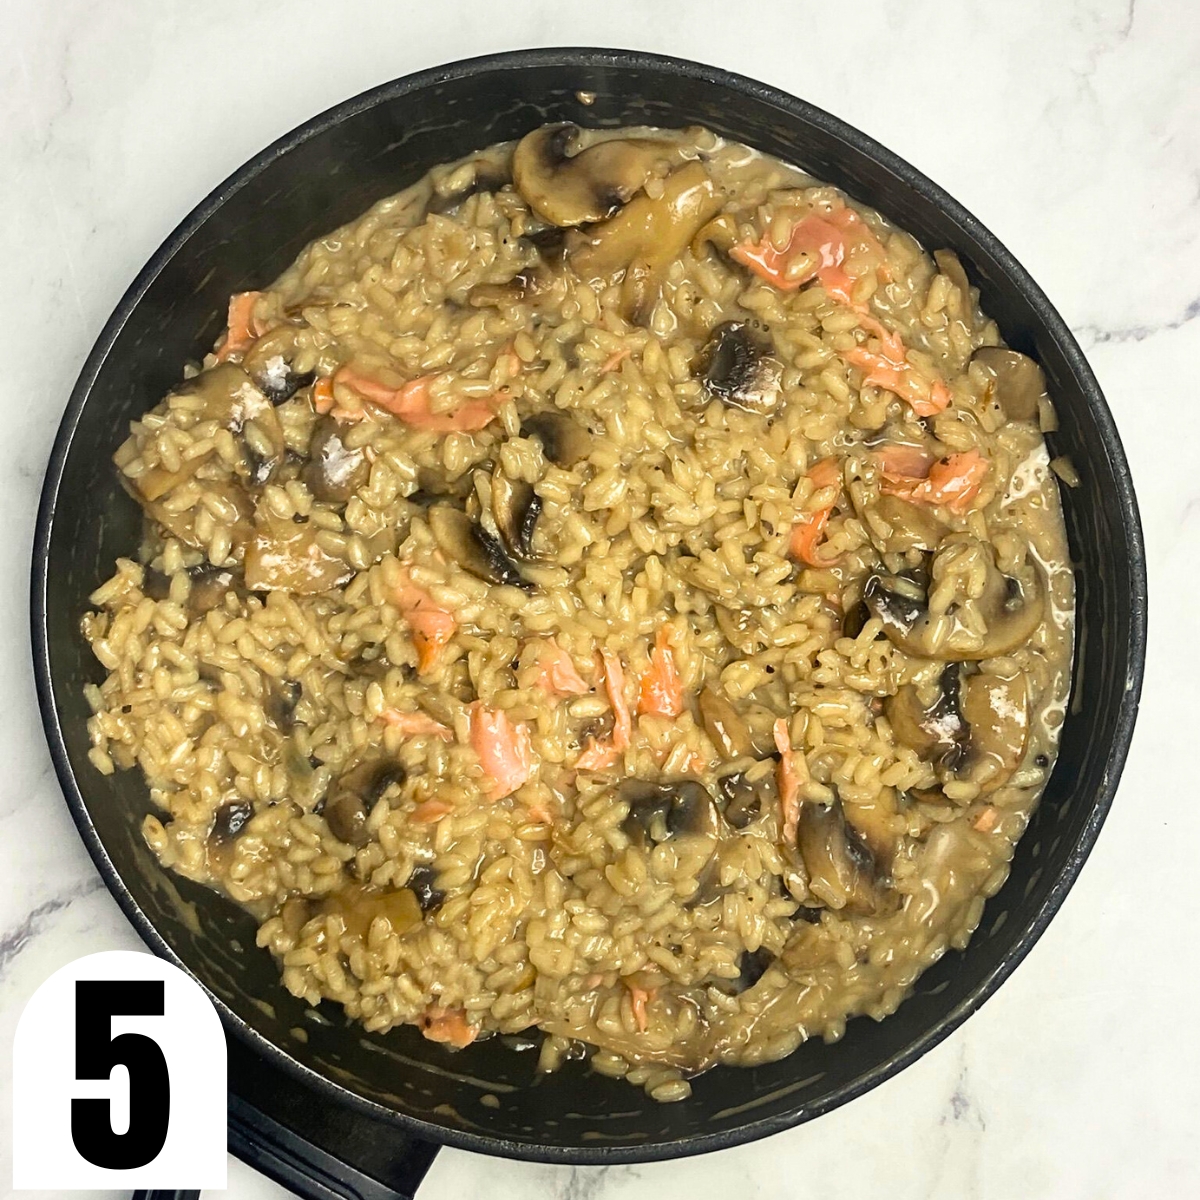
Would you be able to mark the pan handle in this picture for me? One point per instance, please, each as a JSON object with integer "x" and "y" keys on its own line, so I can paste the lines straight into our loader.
{"x": 364, "y": 1166}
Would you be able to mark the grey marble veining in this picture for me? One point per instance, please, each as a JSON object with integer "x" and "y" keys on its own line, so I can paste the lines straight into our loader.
{"x": 1072, "y": 129}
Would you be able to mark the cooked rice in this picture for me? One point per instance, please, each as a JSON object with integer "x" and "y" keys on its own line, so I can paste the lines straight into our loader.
{"x": 246, "y": 709}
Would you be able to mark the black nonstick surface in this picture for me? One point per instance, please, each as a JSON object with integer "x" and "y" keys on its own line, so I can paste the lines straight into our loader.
{"x": 244, "y": 234}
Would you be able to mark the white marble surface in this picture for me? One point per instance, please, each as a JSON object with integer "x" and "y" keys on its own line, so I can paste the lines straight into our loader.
{"x": 1071, "y": 128}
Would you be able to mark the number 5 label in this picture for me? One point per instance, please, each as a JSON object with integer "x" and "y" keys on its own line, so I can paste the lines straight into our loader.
{"x": 119, "y": 1079}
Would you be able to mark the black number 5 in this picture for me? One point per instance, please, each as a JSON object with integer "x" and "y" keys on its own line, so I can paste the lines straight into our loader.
{"x": 97, "y": 1052}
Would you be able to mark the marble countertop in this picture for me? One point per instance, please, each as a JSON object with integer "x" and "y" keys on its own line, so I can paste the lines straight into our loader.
{"x": 1071, "y": 129}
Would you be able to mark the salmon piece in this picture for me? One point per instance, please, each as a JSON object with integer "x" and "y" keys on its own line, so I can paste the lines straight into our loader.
{"x": 411, "y": 403}
{"x": 901, "y": 461}
{"x": 430, "y": 812}
{"x": 540, "y": 813}
{"x": 557, "y": 675}
{"x": 639, "y": 997}
{"x": 242, "y": 331}
{"x": 614, "y": 360}
{"x": 661, "y": 689}
{"x": 809, "y": 531}
{"x": 447, "y": 1025}
{"x": 415, "y": 724}
{"x": 953, "y": 481}
{"x": 323, "y": 395}
{"x": 987, "y": 820}
{"x": 789, "y": 781}
{"x": 597, "y": 756}
{"x": 505, "y": 749}
{"x": 850, "y": 222}
{"x": 813, "y": 236}
{"x": 614, "y": 685}
{"x": 888, "y": 368}
{"x": 431, "y": 626}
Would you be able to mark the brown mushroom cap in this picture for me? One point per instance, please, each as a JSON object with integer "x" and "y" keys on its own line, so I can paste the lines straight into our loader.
{"x": 286, "y": 556}
{"x": 840, "y": 866}
{"x": 739, "y": 370}
{"x": 567, "y": 186}
{"x": 1017, "y": 383}
{"x": 1012, "y": 608}
{"x": 472, "y": 547}
{"x": 647, "y": 236}
{"x": 974, "y": 728}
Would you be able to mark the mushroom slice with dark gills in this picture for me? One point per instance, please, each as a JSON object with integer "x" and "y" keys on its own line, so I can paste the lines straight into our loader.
{"x": 269, "y": 363}
{"x": 208, "y": 586}
{"x": 971, "y": 728}
{"x": 568, "y": 186}
{"x": 422, "y": 882}
{"x": 912, "y": 526}
{"x": 646, "y": 237}
{"x": 840, "y": 866}
{"x": 662, "y": 811}
{"x": 748, "y": 794}
{"x": 228, "y": 395}
{"x": 515, "y": 509}
{"x": 1010, "y": 607}
{"x": 472, "y": 547}
{"x": 1015, "y": 381}
{"x": 565, "y": 442}
{"x": 354, "y": 794}
{"x": 280, "y": 703}
{"x": 752, "y": 966}
{"x": 737, "y": 368}
{"x": 334, "y": 471}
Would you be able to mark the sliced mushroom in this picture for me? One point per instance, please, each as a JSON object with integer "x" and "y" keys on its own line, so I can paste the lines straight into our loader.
{"x": 913, "y": 526}
{"x": 564, "y": 440}
{"x": 737, "y": 368}
{"x": 951, "y": 266}
{"x": 568, "y": 186}
{"x": 287, "y": 556}
{"x": 472, "y": 547}
{"x": 721, "y": 232}
{"x": 334, "y": 472}
{"x": 182, "y": 524}
{"x": 875, "y": 822}
{"x": 747, "y": 796}
{"x": 647, "y": 236}
{"x": 658, "y": 811}
{"x": 280, "y": 703}
{"x": 229, "y": 821}
{"x": 1016, "y": 382}
{"x": 515, "y": 508}
{"x": 208, "y": 586}
{"x": 269, "y": 363}
{"x": 228, "y": 395}
{"x": 1011, "y": 609}
{"x": 724, "y": 725}
{"x": 974, "y": 728}
{"x": 752, "y": 966}
{"x": 422, "y": 882}
{"x": 358, "y": 906}
{"x": 527, "y": 286}
{"x": 840, "y": 867}
{"x": 353, "y": 796}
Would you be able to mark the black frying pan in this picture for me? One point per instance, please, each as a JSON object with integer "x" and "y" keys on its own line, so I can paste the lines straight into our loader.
{"x": 247, "y": 231}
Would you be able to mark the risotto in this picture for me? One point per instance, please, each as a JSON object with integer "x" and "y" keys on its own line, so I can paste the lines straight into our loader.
{"x": 615, "y": 589}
